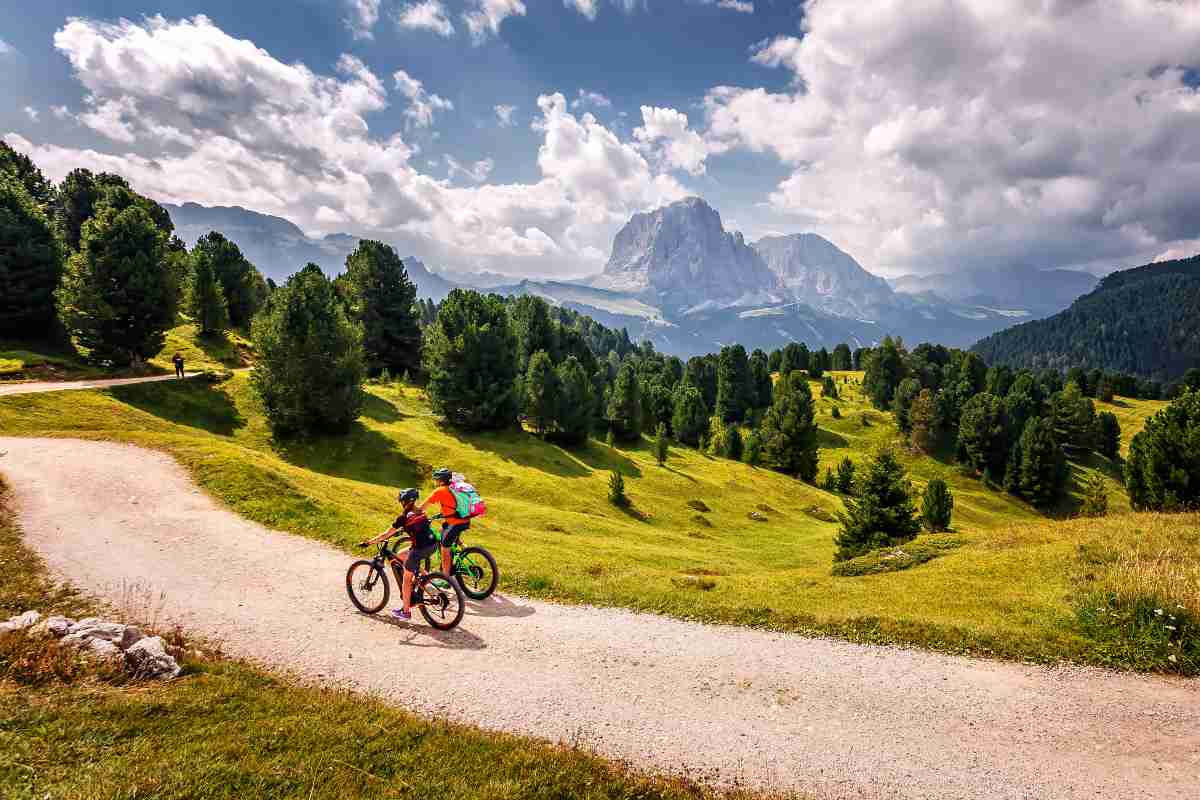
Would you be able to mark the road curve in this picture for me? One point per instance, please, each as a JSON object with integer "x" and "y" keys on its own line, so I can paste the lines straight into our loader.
{"x": 37, "y": 387}
{"x": 727, "y": 704}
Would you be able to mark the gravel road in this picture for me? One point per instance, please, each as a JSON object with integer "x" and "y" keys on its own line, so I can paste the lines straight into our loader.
{"x": 725, "y": 704}
{"x": 37, "y": 387}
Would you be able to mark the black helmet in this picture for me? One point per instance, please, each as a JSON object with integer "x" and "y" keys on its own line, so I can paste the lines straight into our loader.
{"x": 441, "y": 474}
{"x": 408, "y": 496}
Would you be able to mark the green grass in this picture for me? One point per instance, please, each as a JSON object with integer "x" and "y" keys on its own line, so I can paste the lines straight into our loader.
{"x": 1007, "y": 591}
{"x": 73, "y": 729}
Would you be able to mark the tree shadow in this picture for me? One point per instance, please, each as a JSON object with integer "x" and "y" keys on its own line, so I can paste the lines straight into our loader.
{"x": 380, "y": 410}
{"x": 829, "y": 440}
{"x": 217, "y": 347}
{"x": 671, "y": 469}
{"x": 418, "y": 634}
{"x": 360, "y": 455}
{"x": 186, "y": 402}
{"x": 526, "y": 450}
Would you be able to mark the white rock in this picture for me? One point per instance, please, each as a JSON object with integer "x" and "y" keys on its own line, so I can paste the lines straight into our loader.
{"x": 59, "y": 626}
{"x": 148, "y": 658}
{"x": 95, "y": 628}
{"x": 103, "y": 649}
{"x": 26, "y": 620}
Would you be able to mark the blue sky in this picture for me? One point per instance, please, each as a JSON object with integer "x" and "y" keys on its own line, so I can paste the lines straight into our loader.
{"x": 920, "y": 136}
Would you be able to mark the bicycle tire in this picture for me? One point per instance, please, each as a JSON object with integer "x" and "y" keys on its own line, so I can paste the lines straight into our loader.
{"x": 471, "y": 581}
{"x": 358, "y": 581}
{"x": 442, "y": 608}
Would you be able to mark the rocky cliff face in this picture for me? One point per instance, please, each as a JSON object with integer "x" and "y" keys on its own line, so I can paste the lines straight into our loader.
{"x": 682, "y": 257}
{"x": 810, "y": 269}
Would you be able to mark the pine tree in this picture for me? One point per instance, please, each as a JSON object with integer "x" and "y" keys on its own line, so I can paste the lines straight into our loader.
{"x": 542, "y": 400}
{"x": 661, "y": 444}
{"x": 734, "y": 386}
{"x": 76, "y": 201}
{"x": 845, "y": 476}
{"x": 470, "y": 356}
{"x": 690, "y": 416}
{"x": 842, "y": 360}
{"x": 882, "y": 515}
{"x": 575, "y": 414}
{"x": 310, "y": 370}
{"x": 624, "y": 412}
{"x": 983, "y": 434}
{"x": 829, "y": 388}
{"x": 733, "y": 443}
{"x": 21, "y": 168}
{"x": 760, "y": 378}
{"x": 1108, "y": 435}
{"x": 937, "y": 504}
{"x": 204, "y": 299}
{"x": 923, "y": 422}
{"x": 830, "y": 483}
{"x": 1162, "y": 471}
{"x": 753, "y": 454}
{"x": 31, "y": 263}
{"x": 1074, "y": 417}
{"x": 616, "y": 490}
{"x": 381, "y": 297}
{"x": 533, "y": 328}
{"x": 1095, "y": 497}
{"x": 789, "y": 431}
{"x": 1043, "y": 468}
{"x": 237, "y": 276}
{"x": 701, "y": 372}
{"x": 884, "y": 371}
{"x": 816, "y": 366}
{"x": 116, "y": 297}
{"x": 906, "y": 394}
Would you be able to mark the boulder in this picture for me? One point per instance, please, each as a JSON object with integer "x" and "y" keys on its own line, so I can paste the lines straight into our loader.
{"x": 20, "y": 622}
{"x": 96, "y": 628}
{"x": 132, "y": 636}
{"x": 59, "y": 626}
{"x": 101, "y": 648}
{"x": 148, "y": 658}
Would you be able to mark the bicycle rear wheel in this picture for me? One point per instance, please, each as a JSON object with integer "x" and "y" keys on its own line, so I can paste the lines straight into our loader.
{"x": 367, "y": 586}
{"x": 477, "y": 573}
{"x": 442, "y": 605}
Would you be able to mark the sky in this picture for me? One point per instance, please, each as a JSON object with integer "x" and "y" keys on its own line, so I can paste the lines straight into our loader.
{"x": 517, "y": 136}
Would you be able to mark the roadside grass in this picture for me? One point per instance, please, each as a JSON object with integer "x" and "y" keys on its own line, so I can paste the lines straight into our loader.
{"x": 225, "y": 729}
{"x": 1007, "y": 591}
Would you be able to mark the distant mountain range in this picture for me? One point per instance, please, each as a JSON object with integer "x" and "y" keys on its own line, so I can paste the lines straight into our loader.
{"x": 677, "y": 278}
{"x": 1144, "y": 321}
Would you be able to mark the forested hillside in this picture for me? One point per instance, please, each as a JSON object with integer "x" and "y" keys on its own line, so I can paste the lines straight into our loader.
{"x": 1144, "y": 321}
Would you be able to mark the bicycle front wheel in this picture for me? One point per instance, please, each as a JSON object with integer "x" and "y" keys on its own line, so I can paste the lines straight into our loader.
{"x": 477, "y": 573}
{"x": 367, "y": 586}
{"x": 440, "y": 599}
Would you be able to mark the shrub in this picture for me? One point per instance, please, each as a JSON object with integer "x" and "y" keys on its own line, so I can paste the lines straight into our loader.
{"x": 753, "y": 453}
{"x": 830, "y": 483}
{"x": 733, "y": 443}
{"x": 937, "y": 504}
{"x": 882, "y": 515}
{"x": 893, "y": 559}
{"x": 1163, "y": 469}
{"x": 829, "y": 388}
{"x": 1095, "y": 497}
{"x": 835, "y": 413}
{"x": 660, "y": 444}
{"x": 310, "y": 369}
{"x": 845, "y": 476}
{"x": 616, "y": 490}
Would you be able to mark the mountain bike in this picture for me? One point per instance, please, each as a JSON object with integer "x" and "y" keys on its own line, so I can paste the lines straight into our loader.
{"x": 439, "y": 599}
{"x": 474, "y": 567}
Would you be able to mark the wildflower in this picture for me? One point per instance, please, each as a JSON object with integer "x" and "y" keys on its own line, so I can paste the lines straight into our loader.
{"x": 1171, "y": 658}
{"x": 1158, "y": 612}
{"x": 1169, "y": 627}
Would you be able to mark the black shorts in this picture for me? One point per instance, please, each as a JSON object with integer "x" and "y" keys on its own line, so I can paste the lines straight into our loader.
{"x": 416, "y": 555}
{"x": 450, "y": 533}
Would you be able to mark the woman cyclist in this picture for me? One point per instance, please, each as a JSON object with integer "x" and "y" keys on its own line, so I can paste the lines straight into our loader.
{"x": 422, "y": 543}
{"x": 452, "y": 524}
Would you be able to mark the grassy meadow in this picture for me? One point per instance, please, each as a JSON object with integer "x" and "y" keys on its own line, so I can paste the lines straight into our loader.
{"x": 1006, "y": 582}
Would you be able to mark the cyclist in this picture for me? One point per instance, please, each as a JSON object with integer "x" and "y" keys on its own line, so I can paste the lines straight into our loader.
{"x": 452, "y": 524}
{"x": 422, "y": 543}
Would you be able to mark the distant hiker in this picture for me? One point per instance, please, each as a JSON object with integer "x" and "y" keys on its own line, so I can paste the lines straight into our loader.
{"x": 178, "y": 359}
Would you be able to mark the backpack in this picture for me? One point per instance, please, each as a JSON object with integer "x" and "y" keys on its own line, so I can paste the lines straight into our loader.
{"x": 467, "y": 501}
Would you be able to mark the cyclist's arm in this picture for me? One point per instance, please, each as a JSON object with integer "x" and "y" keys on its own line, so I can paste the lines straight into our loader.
{"x": 389, "y": 533}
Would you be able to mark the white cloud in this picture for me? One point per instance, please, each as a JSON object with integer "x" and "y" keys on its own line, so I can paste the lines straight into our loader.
{"x": 931, "y": 136}
{"x": 505, "y": 115}
{"x": 61, "y": 112}
{"x": 421, "y": 104}
{"x": 6, "y": 48}
{"x": 477, "y": 172}
{"x": 32, "y": 113}
{"x": 589, "y": 8}
{"x": 736, "y": 5}
{"x": 362, "y": 17}
{"x": 484, "y": 21}
{"x": 665, "y": 133}
{"x": 219, "y": 121}
{"x": 594, "y": 99}
{"x": 428, "y": 15}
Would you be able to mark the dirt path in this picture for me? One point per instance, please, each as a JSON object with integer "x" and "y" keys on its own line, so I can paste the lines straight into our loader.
{"x": 36, "y": 387}
{"x": 770, "y": 710}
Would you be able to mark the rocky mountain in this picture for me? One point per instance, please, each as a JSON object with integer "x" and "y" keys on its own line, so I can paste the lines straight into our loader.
{"x": 278, "y": 248}
{"x": 1144, "y": 321}
{"x": 681, "y": 256}
{"x": 813, "y": 270}
{"x": 1041, "y": 292}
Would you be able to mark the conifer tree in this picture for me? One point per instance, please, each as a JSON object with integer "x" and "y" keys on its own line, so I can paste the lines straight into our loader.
{"x": 616, "y": 490}
{"x": 789, "y": 432}
{"x": 381, "y": 297}
{"x": 237, "y": 276}
{"x": 542, "y": 400}
{"x": 734, "y": 445}
{"x": 533, "y": 328}
{"x": 661, "y": 444}
{"x": 983, "y": 435}
{"x": 624, "y": 412}
{"x": 845, "y": 476}
{"x": 884, "y": 371}
{"x": 31, "y": 263}
{"x": 937, "y": 504}
{"x": 204, "y": 299}
{"x": 21, "y": 168}
{"x": 1074, "y": 417}
{"x": 470, "y": 356}
{"x": 829, "y": 388}
{"x": 1108, "y": 435}
{"x": 923, "y": 422}
{"x": 1162, "y": 471}
{"x": 690, "y": 417}
{"x": 575, "y": 414}
{"x": 906, "y": 395}
{"x": 1043, "y": 466}
{"x": 734, "y": 386}
{"x": 760, "y": 377}
{"x": 1095, "y": 497}
{"x": 882, "y": 514}
{"x": 842, "y": 360}
{"x": 816, "y": 365}
{"x": 310, "y": 370}
{"x": 753, "y": 454}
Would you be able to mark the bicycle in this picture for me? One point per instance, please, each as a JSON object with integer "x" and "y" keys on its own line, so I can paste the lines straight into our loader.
{"x": 439, "y": 599}
{"x": 473, "y": 566}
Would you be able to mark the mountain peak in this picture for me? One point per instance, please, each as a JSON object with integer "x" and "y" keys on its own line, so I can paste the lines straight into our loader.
{"x": 814, "y": 270}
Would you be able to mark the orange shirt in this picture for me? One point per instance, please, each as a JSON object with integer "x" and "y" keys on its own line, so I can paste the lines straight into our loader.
{"x": 445, "y": 498}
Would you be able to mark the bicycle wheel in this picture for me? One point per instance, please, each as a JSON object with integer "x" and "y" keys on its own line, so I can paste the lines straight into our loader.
{"x": 477, "y": 573}
{"x": 441, "y": 606}
{"x": 367, "y": 586}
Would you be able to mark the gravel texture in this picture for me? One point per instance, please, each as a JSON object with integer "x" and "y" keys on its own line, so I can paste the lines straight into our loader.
{"x": 37, "y": 387}
{"x": 723, "y": 704}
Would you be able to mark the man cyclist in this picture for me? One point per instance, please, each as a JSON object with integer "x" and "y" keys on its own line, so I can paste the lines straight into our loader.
{"x": 422, "y": 543}
{"x": 452, "y": 524}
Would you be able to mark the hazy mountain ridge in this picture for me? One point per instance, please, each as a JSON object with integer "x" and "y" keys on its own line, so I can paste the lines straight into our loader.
{"x": 1040, "y": 291}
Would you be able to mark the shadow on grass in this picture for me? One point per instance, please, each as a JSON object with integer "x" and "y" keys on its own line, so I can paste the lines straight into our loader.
{"x": 380, "y": 410}
{"x": 526, "y": 450}
{"x": 191, "y": 403}
{"x": 830, "y": 440}
{"x": 360, "y": 455}
{"x": 217, "y": 347}
{"x": 671, "y": 469}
